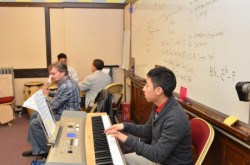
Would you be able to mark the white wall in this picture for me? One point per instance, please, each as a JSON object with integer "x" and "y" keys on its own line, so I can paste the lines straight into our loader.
{"x": 83, "y": 34}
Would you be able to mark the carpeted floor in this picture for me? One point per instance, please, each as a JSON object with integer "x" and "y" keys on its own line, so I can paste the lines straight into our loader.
{"x": 13, "y": 142}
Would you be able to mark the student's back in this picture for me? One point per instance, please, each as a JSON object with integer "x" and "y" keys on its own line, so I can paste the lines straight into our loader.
{"x": 94, "y": 82}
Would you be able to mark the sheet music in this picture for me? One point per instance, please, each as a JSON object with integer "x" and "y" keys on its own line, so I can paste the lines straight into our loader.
{"x": 38, "y": 103}
{"x": 106, "y": 70}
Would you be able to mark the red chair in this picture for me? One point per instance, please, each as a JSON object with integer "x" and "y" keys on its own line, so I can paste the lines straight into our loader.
{"x": 202, "y": 135}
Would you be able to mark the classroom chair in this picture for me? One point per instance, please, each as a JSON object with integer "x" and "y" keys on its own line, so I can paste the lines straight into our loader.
{"x": 116, "y": 89}
{"x": 202, "y": 135}
{"x": 7, "y": 99}
{"x": 6, "y": 111}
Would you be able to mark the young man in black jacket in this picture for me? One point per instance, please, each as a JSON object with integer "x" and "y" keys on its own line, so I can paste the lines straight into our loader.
{"x": 166, "y": 135}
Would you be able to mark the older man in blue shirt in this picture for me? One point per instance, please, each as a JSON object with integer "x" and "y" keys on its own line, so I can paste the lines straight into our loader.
{"x": 67, "y": 97}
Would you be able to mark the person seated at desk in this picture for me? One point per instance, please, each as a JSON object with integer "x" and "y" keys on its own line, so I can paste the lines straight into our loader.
{"x": 67, "y": 98}
{"x": 165, "y": 138}
{"x": 94, "y": 83}
{"x": 62, "y": 57}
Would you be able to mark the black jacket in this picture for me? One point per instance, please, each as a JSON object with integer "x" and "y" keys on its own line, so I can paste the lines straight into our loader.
{"x": 104, "y": 103}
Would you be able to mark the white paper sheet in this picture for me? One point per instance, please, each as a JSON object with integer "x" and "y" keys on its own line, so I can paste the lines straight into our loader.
{"x": 38, "y": 103}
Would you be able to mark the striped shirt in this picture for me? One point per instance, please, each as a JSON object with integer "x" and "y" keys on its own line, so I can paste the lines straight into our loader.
{"x": 67, "y": 96}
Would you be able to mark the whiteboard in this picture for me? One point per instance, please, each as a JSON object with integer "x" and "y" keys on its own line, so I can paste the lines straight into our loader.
{"x": 205, "y": 43}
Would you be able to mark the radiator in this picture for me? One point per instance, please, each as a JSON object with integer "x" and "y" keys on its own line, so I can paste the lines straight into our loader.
{"x": 6, "y": 81}
{"x": 7, "y": 70}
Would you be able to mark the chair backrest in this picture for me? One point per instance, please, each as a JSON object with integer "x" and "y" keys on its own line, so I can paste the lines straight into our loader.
{"x": 6, "y": 84}
{"x": 103, "y": 103}
{"x": 116, "y": 89}
{"x": 202, "y": 135}
{"x": 93, "y": 109}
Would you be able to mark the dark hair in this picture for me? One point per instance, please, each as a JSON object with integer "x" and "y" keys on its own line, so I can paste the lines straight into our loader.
{"x": 60, "y": 66}
{"x": 99, "y": 64}
{"x": 61, "y": 55}
{"x": 164, "y": 78}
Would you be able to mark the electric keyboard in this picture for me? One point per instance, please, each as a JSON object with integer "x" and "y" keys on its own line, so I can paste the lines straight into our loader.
{"x": 69, "y": 144}
{"x": 106, "y": 149}
{"x": 81, "y": 141}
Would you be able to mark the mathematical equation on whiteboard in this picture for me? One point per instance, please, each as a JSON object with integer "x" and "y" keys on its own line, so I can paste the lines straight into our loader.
{"x": 223, "y": 74}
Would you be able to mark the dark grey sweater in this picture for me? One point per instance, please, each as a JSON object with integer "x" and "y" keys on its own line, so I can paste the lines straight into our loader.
{"x": 166, "y": 138}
